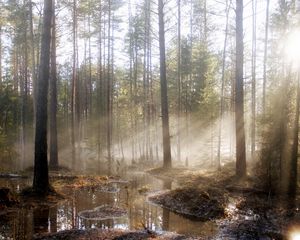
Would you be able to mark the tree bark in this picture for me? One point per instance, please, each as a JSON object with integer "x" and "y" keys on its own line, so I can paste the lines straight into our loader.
{"x": 109, "y": 92}
{"x": 253, "y": 83}
{"x": 294, "y": 155}
{"x": 32, "y": 53}
{"x": 90, "y": 90}
{"x": 0, "y": 55}
{"x": 53, "y": 163}
{"x": 167, "y": 163}
{"x": 40, "y": 178}
{"x": 222, "y": 88}
{"x": 179, "y": 82}
{"x": 239, "y": 94}
{"x": 265, "y": 56}
{"x": 75, "y": 91}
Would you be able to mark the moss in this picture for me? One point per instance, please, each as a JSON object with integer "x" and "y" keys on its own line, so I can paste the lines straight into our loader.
{"x": 192, "y": 203}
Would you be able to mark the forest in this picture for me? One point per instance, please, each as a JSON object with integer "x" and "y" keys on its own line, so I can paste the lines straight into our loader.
{"x": 149, "y": 119}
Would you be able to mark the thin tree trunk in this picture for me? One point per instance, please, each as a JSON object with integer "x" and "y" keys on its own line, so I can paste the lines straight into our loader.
{"x": 222, "y": 88}
{"x": 90, "y": 98}
{"x": 239, "y": 94}
{"x": 0, "y": 55}
{"x": 167, "y": 163}
{"x": 148, "y": 79}
{"x": 38, "y": 49}
{"x": 40, "y": 178}
{"x": 145, "y": 102}
{"x": 294, "y": 155}
{"x": 265, "y": 57}
{"x": 85, "y": 92}
{"x": 32, "y": 53}
{"x": 179, "y": 82}
{"x": 109, "y": 92}
{"x": 131, "y": 80}
{"x": 74, "y": 103}
{"x": 53, "y": 163}
{"x": 253, "y": 83}
{"x": 24, "y": 93}
{"x": 99, "y": 103}
{"x": 205, "y": 28}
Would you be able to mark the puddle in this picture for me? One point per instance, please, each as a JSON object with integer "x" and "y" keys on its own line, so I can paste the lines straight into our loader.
{"x": 65, "y": 215}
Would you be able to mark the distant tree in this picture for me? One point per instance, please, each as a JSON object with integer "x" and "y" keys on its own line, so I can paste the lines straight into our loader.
{"x": 265, "y": 56}
{"x": 75, "y": 104}
{"x": 0, "y": 52}
{"x": 222, "y": 102}
{"x": 109, "y": 89}
{"x": 41, "y": 178}
{"x": 239, "y": 94}
{"x": 292, "y": 186}
{"x": 179, "y": 81}
{"x": 32, "y": 53}
{"x": 167, "y": 163}
{"x": 253, "y": 82}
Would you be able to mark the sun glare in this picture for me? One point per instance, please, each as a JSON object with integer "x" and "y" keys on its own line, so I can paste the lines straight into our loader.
{"x": 292, "y": 47}
{"x": 295, "y": 235}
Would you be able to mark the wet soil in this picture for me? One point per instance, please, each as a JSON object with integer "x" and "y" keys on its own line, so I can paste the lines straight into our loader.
{"x": 193, "y": 203}
{"x": 241, "y": 209}
{"x": 97, "y": 234}
{"x": 81, "y": 203}
{"x": 217, "y": 204}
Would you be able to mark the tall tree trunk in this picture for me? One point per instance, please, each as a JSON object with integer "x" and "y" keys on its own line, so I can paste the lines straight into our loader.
{"x": 292, "y": 188}
{"x": 24, "y": 92}
{"x": 0, "y": 55}
{"x": 282, "y": 164}
{"x": 40, "y": 178}
{"x": 90, "y": 90}
{"x": 179, "y": 82}
{"x": 99, "y": 102}
{"x": 148, "y": 79}
{"x": 167, "y": 163}
{"x": 145, "y": 102}
{"x": 38, "y": 49}
{"x": 32, "y": 53}
{"x": 253, "y": 83}
{"x": 109, "y": 92}
{"x": 265, "y": 56}
{"x": 85, "y": 92}
{"x": 131, "y": 80}
{"x": 74, "y": 95}
{"x": 205, "y": 28}
{"x": 222, "y": 88}
{"x": 239, "y": 94}
{"x": 189, "y": 83}
{"x": 53, "y": 163}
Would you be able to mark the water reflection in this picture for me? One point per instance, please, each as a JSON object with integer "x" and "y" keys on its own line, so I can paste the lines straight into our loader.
{"x": 167, "y": 184}
{"x": 141, "y": 214}
{"x": 40, "y": 220}
{"x": 53, "y": 219}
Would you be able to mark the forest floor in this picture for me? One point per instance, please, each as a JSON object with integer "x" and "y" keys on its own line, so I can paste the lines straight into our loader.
{"x": 115, "y": 234}
{"x": 240, "y": 208}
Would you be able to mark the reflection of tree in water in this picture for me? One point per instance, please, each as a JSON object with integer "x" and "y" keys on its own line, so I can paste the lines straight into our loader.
{"x": 45, "y": 219}
{"x": 40, "y": 219}
{"x": 53, "y": 218}
{"x": 167, "y": 184}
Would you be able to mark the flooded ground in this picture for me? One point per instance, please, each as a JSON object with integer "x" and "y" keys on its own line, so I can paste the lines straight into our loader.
{"x": 248, "y": 212}
{"x": 129, "y": 195}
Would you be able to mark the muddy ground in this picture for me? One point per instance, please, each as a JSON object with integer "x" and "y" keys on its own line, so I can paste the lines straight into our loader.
{"x": 101, "y": 234}
{"x": 240, "y": 208}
